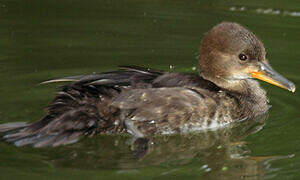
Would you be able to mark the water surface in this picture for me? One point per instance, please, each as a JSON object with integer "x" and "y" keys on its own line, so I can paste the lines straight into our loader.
{"x": 41, "y": 40}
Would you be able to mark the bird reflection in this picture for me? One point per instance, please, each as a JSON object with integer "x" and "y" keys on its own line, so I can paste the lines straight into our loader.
{"x": 215, "y": 153}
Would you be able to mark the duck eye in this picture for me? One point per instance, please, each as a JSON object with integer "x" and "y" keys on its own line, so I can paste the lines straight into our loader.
{"x": 243, "y": 57}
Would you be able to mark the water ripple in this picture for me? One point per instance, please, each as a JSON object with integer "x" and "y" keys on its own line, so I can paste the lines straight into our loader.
{"x": 269, "y": 11}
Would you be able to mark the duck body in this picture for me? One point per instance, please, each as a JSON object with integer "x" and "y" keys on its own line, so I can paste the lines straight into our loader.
{"x": 140, "y": 102}
{"x": 178, "y": 103}
{"x": 146, "y": 102}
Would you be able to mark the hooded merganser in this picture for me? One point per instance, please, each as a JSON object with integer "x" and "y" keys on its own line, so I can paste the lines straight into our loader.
{"x": 145, "y": 102}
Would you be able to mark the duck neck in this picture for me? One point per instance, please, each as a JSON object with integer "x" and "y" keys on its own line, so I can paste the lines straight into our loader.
{"x": 251, "y": 97}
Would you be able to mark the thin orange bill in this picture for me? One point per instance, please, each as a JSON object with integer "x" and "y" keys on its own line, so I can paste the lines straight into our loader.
{"x": 267, "y": 78}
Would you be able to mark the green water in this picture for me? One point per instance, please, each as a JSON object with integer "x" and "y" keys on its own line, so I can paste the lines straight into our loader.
{"x": 40, "y": 40}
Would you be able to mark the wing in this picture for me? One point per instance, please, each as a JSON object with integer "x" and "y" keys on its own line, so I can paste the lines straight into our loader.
{"x": 80, "y": 108}
{"x": 124, "y": 76}
{"x": 163, "y": 110}
{"x": 91, "y": 104}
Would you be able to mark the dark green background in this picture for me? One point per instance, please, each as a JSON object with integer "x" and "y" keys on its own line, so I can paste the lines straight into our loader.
{"x": 40, "y": 40}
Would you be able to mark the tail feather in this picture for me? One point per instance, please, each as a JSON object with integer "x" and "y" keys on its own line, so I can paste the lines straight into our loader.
{"x": 80, "y": 108}
{"x": 28, "y": 140}
{"x": 63, "y": 129}
{"x": 43, "y": 140}
{"x": 66, "y": 138}
{"x": 48, "y": 141}
{"x": 12, "y": 126}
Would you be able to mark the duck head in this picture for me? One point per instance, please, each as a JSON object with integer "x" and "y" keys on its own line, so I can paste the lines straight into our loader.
{"x": 230, "y": 53}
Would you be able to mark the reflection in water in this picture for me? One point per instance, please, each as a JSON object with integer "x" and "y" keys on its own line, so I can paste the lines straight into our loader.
{"x": 219, "y": 153}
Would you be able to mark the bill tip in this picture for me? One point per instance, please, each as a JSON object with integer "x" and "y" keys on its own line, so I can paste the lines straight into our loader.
{"x": 292, "y": 88}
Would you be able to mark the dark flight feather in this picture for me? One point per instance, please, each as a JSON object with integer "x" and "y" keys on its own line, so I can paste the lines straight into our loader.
{"x": 74, "y": 111}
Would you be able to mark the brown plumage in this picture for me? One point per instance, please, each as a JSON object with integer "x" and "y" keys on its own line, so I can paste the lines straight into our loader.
{"x": 145, "y": 102}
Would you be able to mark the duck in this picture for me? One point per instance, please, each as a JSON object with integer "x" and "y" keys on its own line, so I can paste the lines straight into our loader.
{"x": 145, "y": 102}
